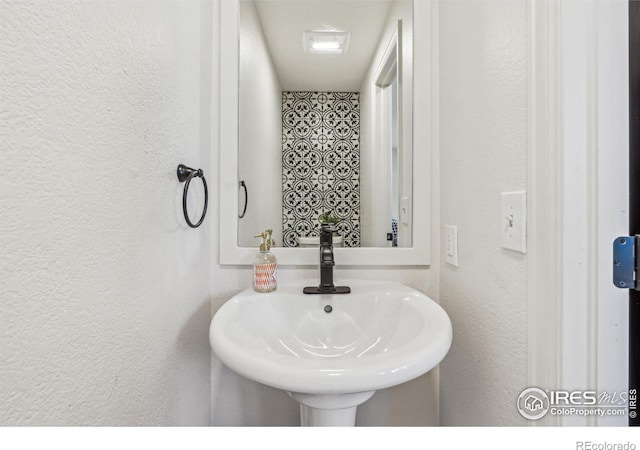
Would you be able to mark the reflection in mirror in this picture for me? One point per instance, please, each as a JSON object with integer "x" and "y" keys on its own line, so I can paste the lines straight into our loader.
{"x": 326, "y": 135}
{"x": 388, "y": 144}
{"x": 392, "y": 239}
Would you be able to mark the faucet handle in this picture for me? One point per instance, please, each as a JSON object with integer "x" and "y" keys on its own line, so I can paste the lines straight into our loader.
{"x": 326, "y": 235}
{"x": 327, "y": 227}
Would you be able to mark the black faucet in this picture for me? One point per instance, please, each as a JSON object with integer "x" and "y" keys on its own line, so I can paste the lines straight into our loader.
{"x": 326, "y": 266}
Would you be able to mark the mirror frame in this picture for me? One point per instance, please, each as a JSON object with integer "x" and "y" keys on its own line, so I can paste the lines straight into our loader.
{"x": 425, "y": 108}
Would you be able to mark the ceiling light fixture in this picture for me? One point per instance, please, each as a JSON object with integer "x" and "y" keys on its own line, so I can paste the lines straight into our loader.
{"x": 326, "y": 42}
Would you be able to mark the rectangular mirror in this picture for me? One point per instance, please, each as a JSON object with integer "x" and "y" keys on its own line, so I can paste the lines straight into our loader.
{"x": 324, "y": 133}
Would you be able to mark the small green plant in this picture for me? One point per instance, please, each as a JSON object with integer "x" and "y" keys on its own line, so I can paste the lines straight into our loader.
{"x": 328, "y": 218}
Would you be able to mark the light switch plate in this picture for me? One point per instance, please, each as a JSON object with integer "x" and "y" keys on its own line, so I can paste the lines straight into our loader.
{"x": 513, "y": 221}
{"x": 404, "y": 210}
{"x": 451, "y": 245}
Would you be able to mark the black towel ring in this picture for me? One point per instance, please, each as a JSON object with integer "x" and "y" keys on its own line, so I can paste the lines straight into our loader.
{"x": 185, "y": 175}
{"x": 246, "y": 199}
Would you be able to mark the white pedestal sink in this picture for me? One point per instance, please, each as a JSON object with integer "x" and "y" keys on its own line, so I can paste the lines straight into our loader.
{"x": 331, "y": 352}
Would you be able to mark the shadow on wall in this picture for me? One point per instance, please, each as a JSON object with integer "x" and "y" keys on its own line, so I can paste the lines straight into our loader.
{"x": 238, "y": 401}
{"x": 192, "y": 344}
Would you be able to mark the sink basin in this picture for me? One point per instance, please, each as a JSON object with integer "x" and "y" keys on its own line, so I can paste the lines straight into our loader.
{"x": 331, "y": 352}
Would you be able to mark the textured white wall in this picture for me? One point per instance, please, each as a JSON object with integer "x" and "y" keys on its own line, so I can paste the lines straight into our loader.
{"x": 483, "y": 153}
{"x": 260, "y": 133}
{"x": 104, "y": 291}
{"x": 105, "y": 311}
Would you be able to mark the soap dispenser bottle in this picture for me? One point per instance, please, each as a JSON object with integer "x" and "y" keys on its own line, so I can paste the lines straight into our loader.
{"x": 265, "y": 265}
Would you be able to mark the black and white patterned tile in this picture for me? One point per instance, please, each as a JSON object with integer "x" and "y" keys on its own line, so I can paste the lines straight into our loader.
{"x": 320, "y": 163}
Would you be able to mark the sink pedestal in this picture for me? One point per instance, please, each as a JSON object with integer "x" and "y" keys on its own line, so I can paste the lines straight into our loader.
{"x": 329, "y": 410}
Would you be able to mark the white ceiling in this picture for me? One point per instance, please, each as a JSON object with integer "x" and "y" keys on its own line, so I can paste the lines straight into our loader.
{"x": 283, "y": 22}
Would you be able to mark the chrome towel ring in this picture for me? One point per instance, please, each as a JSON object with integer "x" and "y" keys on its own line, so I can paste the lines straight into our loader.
{"x": 185, "y": 175}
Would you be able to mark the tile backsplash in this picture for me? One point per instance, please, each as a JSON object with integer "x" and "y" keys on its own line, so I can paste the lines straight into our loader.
{"x": 320, "y": 164}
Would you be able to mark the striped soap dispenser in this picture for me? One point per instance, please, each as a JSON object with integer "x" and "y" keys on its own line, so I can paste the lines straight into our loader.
{"x": 265, "y": 266}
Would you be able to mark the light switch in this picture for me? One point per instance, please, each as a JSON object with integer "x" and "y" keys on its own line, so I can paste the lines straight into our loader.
{"x": 513, "y": 221}
{"x": 451, "y": 245}
{"x": 404, "y": 210}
